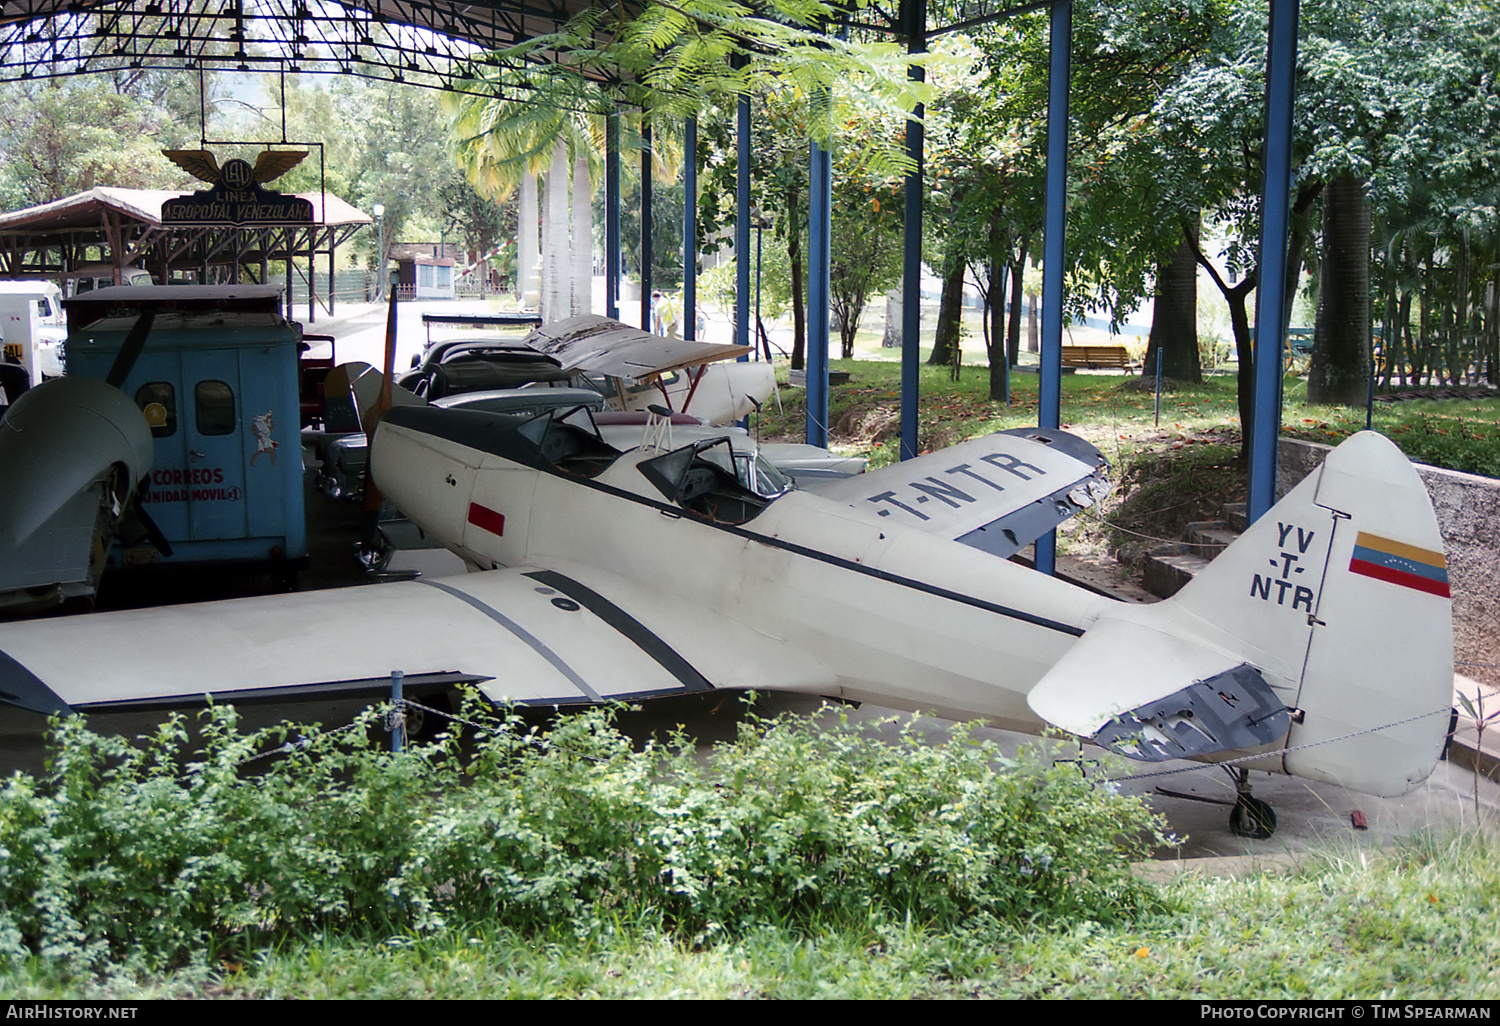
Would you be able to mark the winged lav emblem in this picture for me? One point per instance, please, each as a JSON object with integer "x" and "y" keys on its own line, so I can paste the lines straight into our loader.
{"x": 236, "y": 174}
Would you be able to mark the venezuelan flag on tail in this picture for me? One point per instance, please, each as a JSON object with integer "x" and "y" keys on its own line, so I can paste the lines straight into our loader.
{"x": 1398, "y": 563}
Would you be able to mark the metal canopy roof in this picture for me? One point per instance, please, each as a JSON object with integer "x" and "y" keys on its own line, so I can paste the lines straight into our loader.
{"x": 49, "y": 240}
{"x": 430, "y": 43}
{"x": 85, "y": 211}
{"x": 419, "y": 42}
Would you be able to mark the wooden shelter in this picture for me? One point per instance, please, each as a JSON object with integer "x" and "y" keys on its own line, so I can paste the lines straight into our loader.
{"x": 123, "y": 228}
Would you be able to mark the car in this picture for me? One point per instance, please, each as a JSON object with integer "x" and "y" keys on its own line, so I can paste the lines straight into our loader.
{"x": 91, "y": 277}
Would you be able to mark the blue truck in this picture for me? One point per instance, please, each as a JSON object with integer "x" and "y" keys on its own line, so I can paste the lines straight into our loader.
{"x": 217, "y": 380}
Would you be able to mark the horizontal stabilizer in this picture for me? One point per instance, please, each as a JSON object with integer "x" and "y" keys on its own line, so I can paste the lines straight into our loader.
{"x": 998, "y": 493}
{"x": 1141, "y": 692}
{"x": 1325, "y": 629}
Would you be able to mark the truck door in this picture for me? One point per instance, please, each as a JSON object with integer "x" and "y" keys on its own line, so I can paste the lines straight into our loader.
{"x": 216, "y": 427}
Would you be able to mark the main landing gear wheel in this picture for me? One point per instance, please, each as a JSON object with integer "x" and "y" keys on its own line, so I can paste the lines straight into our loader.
{"x": 424, "y": 726}
{"x": 1250, "y": 817}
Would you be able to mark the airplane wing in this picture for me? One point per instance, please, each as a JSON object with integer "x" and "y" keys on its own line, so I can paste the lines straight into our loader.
{"x": 998, "y": 493}
{"x": 600, "y": 345}
{"x": 553, "y": 636}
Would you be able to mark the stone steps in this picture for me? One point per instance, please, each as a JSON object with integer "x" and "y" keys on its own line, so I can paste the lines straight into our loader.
{"x": 1173, "y": 564}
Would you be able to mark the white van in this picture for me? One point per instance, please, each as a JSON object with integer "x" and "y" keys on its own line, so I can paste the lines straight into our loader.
{"x": 102, "y": 276}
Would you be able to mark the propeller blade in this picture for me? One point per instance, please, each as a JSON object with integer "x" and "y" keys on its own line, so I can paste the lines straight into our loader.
{"x": 153, "y": 533}
{"x": 130, "y": 349}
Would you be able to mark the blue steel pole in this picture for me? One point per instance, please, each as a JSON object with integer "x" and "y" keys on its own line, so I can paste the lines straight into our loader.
{"x": 690, "y": 231}
{"x": 742, "y": 217}
{"x": 914, "y": 18}
{"x": 612, "y": 216}
{"x": 1049, "y": 381}
{"x": 819, "y": 216}
{"x": 398, "y": 708}
{"x": 645, "y": 255}
{"x": 1270, "y": 292}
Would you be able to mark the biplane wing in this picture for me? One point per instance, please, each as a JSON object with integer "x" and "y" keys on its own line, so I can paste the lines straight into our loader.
{"x": 600, "y": 345}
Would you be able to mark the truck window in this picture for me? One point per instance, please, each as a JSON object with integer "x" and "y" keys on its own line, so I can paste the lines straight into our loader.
{"x": 158, "y": 401}
{"x": 214, "y": 401}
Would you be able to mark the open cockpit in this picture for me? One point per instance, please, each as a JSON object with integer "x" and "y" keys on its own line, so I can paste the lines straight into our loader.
{"x": 564, "y": 439}
{"x": 714, "y": 480}
{"x": 711, "y": 478}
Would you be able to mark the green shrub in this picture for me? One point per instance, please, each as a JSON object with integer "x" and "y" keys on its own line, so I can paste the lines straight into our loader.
{"x": 149, "y": 854}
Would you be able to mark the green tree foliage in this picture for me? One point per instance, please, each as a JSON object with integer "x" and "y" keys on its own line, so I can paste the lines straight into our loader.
{"x": 865, "y": 251}
{"x": 865, "y": 245}
{"x": 1126, "y": 55}
{"x": 984, "y": 201}
{"x": 388, "y": 144}
{"x": 60, "y": 137}
{"x": 1393, "y": 100}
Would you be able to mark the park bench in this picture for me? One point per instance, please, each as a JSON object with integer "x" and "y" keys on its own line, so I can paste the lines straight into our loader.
{"x": 1095, "y": 357}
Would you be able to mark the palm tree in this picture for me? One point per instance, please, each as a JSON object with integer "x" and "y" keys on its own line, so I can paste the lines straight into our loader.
{"x": 503, "y": 143}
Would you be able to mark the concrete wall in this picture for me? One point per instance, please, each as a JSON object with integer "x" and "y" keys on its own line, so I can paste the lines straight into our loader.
{"x": 1468, "y": 514}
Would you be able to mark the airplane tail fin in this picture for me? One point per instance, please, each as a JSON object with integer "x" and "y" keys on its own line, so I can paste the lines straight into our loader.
{"x": 1325, "y": 629}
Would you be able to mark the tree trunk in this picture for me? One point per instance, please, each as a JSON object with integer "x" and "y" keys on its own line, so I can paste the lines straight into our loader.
{"x": 794, "y": 260}
{"x": 528, "y": 284}
{"x": 1403, "y": 332}
{"x": 994, "y": 339}
{"x": 582, "y": 275}
{"x": 1174, "y": 317}
{"x": 557, "y": 298}
{"x": 1340, "y": 368}
{"x": 950, "y": 314}
{"x": 1239, "y": 318}
{"x": 1492, "y": 333}
{"x": 1017, "y": 301}
{"x": 846, "y": 314}
{"x": 1296, "y": 246}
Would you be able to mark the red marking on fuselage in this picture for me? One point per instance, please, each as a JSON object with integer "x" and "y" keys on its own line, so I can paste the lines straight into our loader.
{"x": 487, "y": 519}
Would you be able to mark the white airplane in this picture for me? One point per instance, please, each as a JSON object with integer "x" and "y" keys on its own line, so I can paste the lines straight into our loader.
{"x": 1319, "y": 644}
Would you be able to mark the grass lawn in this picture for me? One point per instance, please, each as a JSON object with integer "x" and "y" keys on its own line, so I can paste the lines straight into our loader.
{"x": 1412, "y": 923}
{"x": 1172, "y": 464}
{"x": 1456, "y": 433}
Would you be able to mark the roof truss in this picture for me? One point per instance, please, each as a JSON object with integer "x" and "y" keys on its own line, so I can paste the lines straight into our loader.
{"x": 431, "y": 43}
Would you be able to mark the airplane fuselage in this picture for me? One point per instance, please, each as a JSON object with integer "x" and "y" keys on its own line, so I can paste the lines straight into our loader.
{"x": 862, "y": 609}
